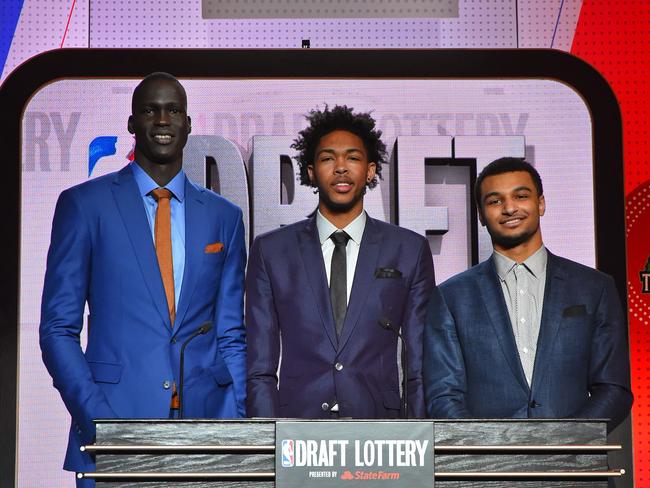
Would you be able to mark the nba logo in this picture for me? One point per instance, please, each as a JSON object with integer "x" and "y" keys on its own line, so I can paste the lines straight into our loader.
{"x": 287, "y": 453}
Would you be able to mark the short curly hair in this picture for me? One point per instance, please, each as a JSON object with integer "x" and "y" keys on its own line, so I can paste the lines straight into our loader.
{"x": 340, "y": 117}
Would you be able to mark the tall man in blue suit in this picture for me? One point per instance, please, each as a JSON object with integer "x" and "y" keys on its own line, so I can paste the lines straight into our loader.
{"x": 525, "y": 334}
{"x": 110, "y": 248}
{"x": 317, "y": 289}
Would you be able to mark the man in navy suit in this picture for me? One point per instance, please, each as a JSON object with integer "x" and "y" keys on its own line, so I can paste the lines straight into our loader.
{"x": 525, "y": 334}
{"x": 317, "y": 289}
{"x": 105, "y": 253}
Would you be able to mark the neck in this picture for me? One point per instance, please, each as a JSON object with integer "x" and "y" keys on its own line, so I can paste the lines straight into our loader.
{"x": 340, "y": 219}
{"x": 523, "y": 251}
{"x": 160, "y": 173}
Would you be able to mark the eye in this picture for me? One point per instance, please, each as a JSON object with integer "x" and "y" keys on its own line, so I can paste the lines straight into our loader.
{"x": 522, "y": 196}
{"x": 493, "y": 201}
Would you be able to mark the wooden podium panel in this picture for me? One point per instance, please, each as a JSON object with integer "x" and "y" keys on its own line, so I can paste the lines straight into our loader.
{"x": 241, "y": 453}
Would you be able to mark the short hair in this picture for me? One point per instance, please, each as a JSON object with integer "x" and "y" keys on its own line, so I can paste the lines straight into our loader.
{"x": 506, "y": 165}
{"x": 156, "y": 75}
{"x": 340, "y": 117}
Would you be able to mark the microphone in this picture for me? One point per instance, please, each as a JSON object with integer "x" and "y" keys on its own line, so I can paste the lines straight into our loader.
{"x": 205, "y": 327}
{"x": 386, "y": 324}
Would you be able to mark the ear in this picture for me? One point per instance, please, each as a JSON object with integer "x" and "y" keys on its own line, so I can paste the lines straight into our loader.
{"x": 189, "y": 124}
{"x": 129, "y": 125}
{"x": 541, "y": 205}
{"x": 310, "y": 173}
{"x": 480, "y": 216}
{"x": 371, "y": 172}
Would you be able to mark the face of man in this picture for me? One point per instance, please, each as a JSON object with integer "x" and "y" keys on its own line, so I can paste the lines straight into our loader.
{"x": 160, "y": 123}
{"x": 510, "y": 209}
{"x": 341, "y": 171}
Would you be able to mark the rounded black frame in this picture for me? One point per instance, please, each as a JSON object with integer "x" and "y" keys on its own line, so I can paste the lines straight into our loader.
{"x": 28, "y": 78}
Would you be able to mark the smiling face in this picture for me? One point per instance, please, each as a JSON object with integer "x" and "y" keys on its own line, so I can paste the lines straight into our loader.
{"x": 160, "y": 123}
{"x": 341, "y": 171}
{"x": 510, "y": 208}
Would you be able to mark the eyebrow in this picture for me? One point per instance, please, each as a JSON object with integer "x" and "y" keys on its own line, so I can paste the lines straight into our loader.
{"x": 497, "y": 193}
{"x": 332, "y": 151}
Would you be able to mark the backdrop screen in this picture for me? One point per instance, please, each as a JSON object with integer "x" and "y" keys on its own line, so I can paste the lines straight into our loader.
{"x": 439, "y": 133}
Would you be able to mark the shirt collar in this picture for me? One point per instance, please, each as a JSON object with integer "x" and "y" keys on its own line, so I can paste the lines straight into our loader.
{"x": 354, "y": 229}
{"x": 146, "y": 184}
{"x": 535, "y": 264}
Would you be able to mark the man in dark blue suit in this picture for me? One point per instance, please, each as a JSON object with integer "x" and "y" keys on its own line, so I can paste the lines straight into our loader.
{"x": 317, "y": 289}
{"x": 154, "y": 257}
{"x": 525, "y": 334}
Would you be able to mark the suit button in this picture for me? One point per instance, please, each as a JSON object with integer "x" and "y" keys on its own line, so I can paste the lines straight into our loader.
{"x": 325, "y": 406}
{"x": 534, "y": 404}
{"x": 338, "y": 366}
{"x": 173, "y": 341}
{"x": 167, "y": 384}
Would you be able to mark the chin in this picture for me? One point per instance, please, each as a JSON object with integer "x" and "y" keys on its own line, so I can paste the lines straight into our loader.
{"x": 508, "y": 242}
{"x": 338, "y": 206}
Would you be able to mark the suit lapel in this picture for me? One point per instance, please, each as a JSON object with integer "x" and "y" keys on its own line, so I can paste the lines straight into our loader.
{"x": 495, "y": 304}
{"x": 312, "y": 257}
{"x": 363, "y": 278}
{"x": 196, "y": 237}
{"x": 131, "y": 209}
{"x": 555, "y": 294}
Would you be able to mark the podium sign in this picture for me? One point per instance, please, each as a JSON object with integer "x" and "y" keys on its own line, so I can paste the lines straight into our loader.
{"x": 360, "y": 453}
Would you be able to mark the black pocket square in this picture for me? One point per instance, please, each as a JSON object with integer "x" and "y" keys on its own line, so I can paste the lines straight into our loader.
{"x": 388, "y": 273}
{"x": 574, "y": 311}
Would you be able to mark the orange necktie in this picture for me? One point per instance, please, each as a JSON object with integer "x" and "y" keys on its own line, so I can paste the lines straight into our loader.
{"x": 163, "y": 234}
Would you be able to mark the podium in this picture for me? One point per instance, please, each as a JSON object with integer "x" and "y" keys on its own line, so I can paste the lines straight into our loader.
{"x": 241, "y": 453}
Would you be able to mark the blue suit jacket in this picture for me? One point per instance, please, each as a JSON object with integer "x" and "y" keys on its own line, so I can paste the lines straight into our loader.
{"x": 288, "y": 309}
{"x": 102, "y": 253}
{"x": 472, "y": 367}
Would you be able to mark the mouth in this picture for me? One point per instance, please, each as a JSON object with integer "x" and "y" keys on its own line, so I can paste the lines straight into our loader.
{"x": 512, "y": 222}
{"x": 342, "y": 186}
{"x": 163, "y": 138}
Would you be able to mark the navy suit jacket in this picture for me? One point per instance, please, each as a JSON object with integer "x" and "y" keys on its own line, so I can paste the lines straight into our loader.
{"x": 102, "y": 253}
{"x": 289, "y": 316}
{"x": 472, "y": 367}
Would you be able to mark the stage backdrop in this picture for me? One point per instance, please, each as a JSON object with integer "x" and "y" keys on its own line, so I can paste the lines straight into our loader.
{"x": 444, "y": 132}
{"x": 614, "y": 39}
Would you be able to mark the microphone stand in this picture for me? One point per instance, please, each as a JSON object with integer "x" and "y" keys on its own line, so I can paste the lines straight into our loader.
{"x": 205, "y": 327}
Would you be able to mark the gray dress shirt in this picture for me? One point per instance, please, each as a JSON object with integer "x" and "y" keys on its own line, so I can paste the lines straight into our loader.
{"x": 523, "y": 289}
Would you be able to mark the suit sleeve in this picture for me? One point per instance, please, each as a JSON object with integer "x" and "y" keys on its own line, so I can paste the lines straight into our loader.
{"x": 231, "y": 333}
{"x": 413, "y": 326}
{"x": 62, "y": 307}
{"x": 609, "y": 367}
{"x": 445, "y": 381}
{"x": 264, "y": 338}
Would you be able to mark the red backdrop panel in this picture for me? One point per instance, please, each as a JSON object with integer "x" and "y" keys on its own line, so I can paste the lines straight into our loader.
{"x": 615, "y": 39}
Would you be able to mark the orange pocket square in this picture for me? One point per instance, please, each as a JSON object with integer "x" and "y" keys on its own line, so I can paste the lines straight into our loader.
{"x": 215, "y": 247}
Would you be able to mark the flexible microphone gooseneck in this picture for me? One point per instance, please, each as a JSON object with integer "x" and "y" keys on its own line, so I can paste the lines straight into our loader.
{"x": 205, "y": 327}
{"x": 386, "y": 324}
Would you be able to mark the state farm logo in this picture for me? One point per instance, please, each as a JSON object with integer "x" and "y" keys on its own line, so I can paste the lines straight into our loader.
{"x": 369, "y": 475}
{"x": 287, "y": 453}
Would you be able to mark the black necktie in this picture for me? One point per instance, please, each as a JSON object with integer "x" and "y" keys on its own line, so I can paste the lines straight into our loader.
{"x": 338, "y": 279}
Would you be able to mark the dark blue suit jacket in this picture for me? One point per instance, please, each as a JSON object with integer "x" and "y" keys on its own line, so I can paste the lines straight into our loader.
{"x": 472, "y": 367}
{"x": 289, "y": 314}
{"x": 102, "y": 253}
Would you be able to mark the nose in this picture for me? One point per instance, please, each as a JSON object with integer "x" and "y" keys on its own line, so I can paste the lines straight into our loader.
{"x": 509, "y": 206}
{"x": 340, "y": 165}
{"x": 163, "y": 118}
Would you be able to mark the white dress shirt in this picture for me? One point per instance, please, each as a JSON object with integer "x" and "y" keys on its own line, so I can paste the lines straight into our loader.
{"x": 355, "y": 230}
